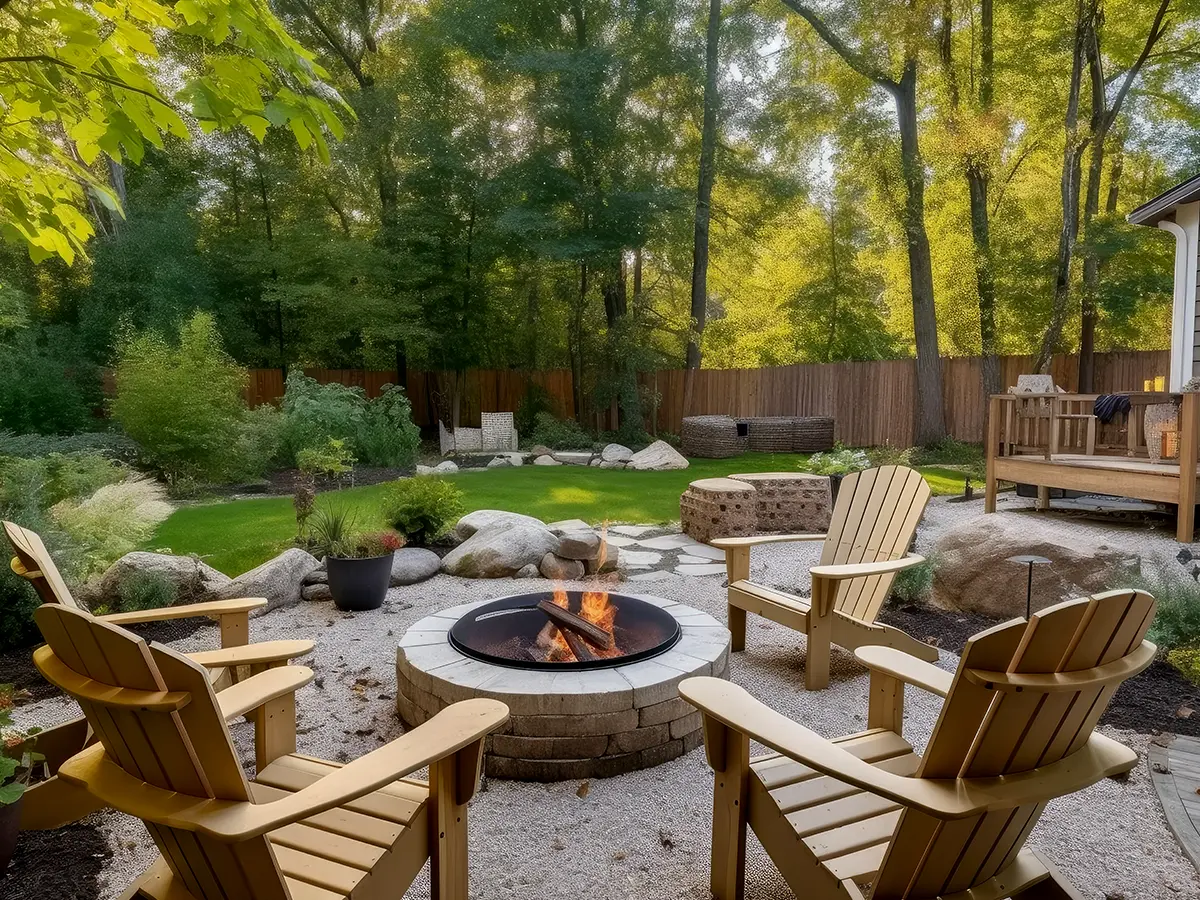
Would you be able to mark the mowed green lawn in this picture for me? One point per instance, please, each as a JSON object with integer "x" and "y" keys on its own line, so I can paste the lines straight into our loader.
{"x": 235, "y": 536}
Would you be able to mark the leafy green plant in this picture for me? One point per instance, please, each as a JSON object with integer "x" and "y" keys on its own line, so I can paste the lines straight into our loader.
{"x": 304, "y": 499}
{"x": 535, "y": 401}
{"x": 559, "y": 434}
{"x": 915, "y": 584}
{"x": 334, "y": 460}
{"x": 145, "y": 590}
{"x": 15, "y": 770}
{"x": 331, "y": 531}
{"x": 838, "y": 461}
{"x": 111, "y": 444}
{"x": 887, "y": 455}
{"x": 387, "y": 435}
{"x": 313, "y": 413}
{"x": 113, "y": 521}
{"x": 182, "y": 402}
{"x": 423, "y": 508}
{"x": 1177, "y": 622}
{"x": 44, "y": 393}
{"x": 949, "y": 452}
{"x": 1187, "y": 661}
{"x": 258, "y": 438}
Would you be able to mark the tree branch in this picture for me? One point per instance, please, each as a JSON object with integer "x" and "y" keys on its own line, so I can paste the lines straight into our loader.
{"x": 83, "y": 73}
{"x": 1157, "y": 30}
{"x": 353, "y": 63}
{"x": 852, "y": 57}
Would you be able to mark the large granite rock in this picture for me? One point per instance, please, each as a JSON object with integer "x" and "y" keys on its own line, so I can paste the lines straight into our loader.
{"x": 411, "y": 565}
{"x": 482, "y": 518}
{"x": 280, "y": 580}
{"x": 568, "y": 525}
{"x": 973, "y": 573}
{"x": 560, "y": 569}
{"x": 193, "y": 580}
{"x": 316, "y": 592}
{"x": 657, "y": 457}
{"x": 616, "y": 453}
{"x": 546, "y": 460}
{"x": 499, "y": 462}
{"x": 500, "y": 550}
{"x": 446, "y": 467}
{"x": 579, "y": 545}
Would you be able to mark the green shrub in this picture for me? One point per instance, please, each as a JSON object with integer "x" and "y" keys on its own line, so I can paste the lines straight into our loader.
{"x": 887, "y": 455}
{"x": 257, "y": 442}
{"x": 914, "y": 584}
{"x": 1187, "y": 661}
{"x": 387, "y": 435}
{"x": 313, "y": 413}
{"x": 535, "y": 401}
{"x": 949, "y": 452}
{"x": 333, "y": 460}
{"x": 113, "y": 521}
{"x": 1177, "y": 622}
{"x": 47, "y": 480}
{"x": 838, "y": 461}
{"x": 560, "y": 434}
{"x": 182, "y": 402}
{"x": 145, "y": 590}
{"x": 422, "y": 508}
{"x": 112, "y": 444}
{"x": 46, "y": 394}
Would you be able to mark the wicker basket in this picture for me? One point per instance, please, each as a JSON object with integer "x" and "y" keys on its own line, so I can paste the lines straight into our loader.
{"x": 713, "y": 437}
{"x": 770, "y": 434}
{"x": 811, "y": 434}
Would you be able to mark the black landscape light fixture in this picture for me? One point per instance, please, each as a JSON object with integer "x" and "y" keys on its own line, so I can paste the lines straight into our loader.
{"x": 1030, "y": 561}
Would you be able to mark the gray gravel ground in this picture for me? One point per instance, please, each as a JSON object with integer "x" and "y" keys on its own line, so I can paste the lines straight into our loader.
{"x": 646, "y": 835}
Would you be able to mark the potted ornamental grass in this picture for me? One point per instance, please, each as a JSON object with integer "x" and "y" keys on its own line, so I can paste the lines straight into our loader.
{"x": 17, "y": 764}
{"x": 358, "y": 564}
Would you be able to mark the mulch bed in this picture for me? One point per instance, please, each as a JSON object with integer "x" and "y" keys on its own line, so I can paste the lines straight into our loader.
{"x": 64, "y": 864}
{"x": 1160, "y": 699}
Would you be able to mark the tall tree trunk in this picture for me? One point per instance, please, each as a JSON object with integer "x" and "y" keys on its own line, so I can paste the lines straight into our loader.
{"x": 835, "y": 281}
{"x": 704, "y": 183}
{"x": 978, "y": 182}
{"x": 930, "y": 425}
{"x": 1073, "y": 148}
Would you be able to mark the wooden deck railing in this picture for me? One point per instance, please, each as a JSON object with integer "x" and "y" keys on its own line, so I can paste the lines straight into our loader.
{"x": 1062, "y": 430}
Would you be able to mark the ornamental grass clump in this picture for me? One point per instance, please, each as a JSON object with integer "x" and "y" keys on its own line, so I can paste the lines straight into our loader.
{"x": 113, "y": 521}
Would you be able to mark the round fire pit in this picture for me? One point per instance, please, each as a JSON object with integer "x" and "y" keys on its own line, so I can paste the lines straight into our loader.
{"x": 580, "y": 708}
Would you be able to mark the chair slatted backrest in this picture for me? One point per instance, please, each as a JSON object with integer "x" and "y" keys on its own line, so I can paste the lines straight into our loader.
{"x": 985, "y": 731}
{"x": 874, "y": 520}
{"x": 34, "y": 563}
{"x": 186, "y": 748}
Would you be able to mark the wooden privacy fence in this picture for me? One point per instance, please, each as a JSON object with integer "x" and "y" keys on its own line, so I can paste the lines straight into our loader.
{"x": 873, "y": 401}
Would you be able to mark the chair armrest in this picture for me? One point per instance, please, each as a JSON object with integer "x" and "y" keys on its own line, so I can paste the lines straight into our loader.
{"x": 252, "y": 654}
{"x": 451, "y": 730}
{"x": 908, "y": 669}
{"x": 864, "y": 570}
{"x": 239, "y": 699}
{"x": 946, "y": 799}
{"x": 731, "y": 543}
{"x": 213, "y": 609}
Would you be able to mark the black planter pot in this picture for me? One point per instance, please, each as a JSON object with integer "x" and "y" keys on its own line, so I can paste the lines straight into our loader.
{"x": 10, "y": 825}
{"x": 359, "y": 584}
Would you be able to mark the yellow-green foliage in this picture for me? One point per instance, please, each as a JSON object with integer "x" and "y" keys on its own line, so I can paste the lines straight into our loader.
{"x": 1187, "y": 661}
{"x": 113, "y": 521}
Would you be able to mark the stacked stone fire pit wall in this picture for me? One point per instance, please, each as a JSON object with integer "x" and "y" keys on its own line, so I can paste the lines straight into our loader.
{"x": 573, "y": 724}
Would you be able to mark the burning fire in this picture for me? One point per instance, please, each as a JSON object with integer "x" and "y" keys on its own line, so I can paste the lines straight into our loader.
{"x": 594, "y": 607}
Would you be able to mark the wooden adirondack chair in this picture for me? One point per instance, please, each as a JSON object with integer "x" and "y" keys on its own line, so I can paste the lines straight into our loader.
{"x": 51, "y": 803}
{"x": 303, "y": 829}
{"x": 1015, "y": 731}
{"x": 871, "y": 529}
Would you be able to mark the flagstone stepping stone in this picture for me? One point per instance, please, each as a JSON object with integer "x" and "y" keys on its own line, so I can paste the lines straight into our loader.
{"x": 642, "y": 558}
{"x": 652, "y": 576}
{"x": 696, "y": 560}
{"x": 706, "y": 551}
{"x": 631, "y": 530}
{"x": 709, "y": 569}
{"x": 618, "y": 540}
{"x": 670, "y": 542}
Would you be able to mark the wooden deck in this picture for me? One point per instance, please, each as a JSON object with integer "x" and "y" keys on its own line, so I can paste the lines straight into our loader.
{"x": 1175, "y": 771}
{"x": 1028, "y": 434}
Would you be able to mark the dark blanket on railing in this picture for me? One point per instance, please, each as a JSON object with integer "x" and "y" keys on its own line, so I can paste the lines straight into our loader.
{"x": 1109, "y": 406}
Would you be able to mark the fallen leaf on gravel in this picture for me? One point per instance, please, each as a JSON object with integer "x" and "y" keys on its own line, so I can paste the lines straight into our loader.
{"x": 1184, "y": 712}
{"x": 582, "y": 790}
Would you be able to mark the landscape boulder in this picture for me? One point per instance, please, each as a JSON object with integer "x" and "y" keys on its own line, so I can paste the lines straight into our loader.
{"x": 500, "y": 550}
{"x": 317, "y": 576}
{"x": 280, "y": 580}
{"x": 546, "y": 460}
{"x": 482, "y": 518}
{"x": 973, "y": 574}
{"x": 579, "y": 545}
{"x": 192, "y": 580}
{"x": 568, "y": 525}
{"x": 529, "y": 571}
{"x": 446, "y": 467}
{"x": 541, "y": 450}
{"x": 411, "y": 565}
{"x": 318, "y": 592}
{"x": 612, "y": 464}
{"x": 657, "y": 457}
{"x": 499, "y": 462}
{"x": 604, "y": 561}
{"x": 425, "y": 470}
{"x": 616, "y": 453}
{"x": 560, "y": 569}
{"x": 574, "y": 457}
